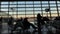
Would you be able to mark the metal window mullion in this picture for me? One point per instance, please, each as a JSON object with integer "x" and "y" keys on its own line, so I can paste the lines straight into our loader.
{"x": 50, "y": 13}
{"x": 57, "y": 8}
{"x": 17, "y": 10}
{"x": 41, "y": 9}
{"x": 25, "y": 8}
{"x": 33, "y": 9}
{"x": 8, "y": 13}
{"x": 0, "y": 23}
{"x": 8, "y": 8}
{"x": 49, "y": 9}
{"x": 33, "y": 12}
{"x": 0, "y": 5}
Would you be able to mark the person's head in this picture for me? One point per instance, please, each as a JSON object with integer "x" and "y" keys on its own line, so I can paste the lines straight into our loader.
{"x": 11, "y": 17}
{"x": 25, "y": 19}
{"x": 38, "y": 15}
{"x": 1, "y": 17}
{"x": 21, "y": 18}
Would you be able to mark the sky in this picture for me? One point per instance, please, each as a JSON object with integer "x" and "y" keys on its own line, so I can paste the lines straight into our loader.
{"x": 29, "y": 7}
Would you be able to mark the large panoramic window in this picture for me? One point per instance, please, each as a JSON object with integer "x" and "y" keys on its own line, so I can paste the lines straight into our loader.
{"x": 31, "y": 8}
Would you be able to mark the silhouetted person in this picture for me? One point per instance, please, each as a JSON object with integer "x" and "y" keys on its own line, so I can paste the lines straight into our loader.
{"x": 57, "y": 18}
{"x": 56, "y": 24}
{"x": 42, "y": 21}
{"x": 18, "y": 23}
{"x": 10, "y": 22}
{"x": 45, "y": 19}
{"x": 0, "y": 24}
{"x": 39, "y": 20}
{"x": 50, "y": 32}
{"x": 27, "y": 24}
{"x": 24, "y": 24}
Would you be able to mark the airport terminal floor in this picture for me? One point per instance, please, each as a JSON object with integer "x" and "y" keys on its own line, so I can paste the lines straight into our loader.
{"x": 7, "y": 30}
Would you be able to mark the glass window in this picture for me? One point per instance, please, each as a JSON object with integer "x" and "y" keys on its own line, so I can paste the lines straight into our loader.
{"x": 44, "y": 5}
{"x": 29, "y": 8}
{"x": 58, "y": 8}
{"x": 21, "y": 12}
{"x": 4, "y": 5}
{"x": 59, "y": 11}
{"x": 53, "y": 11}
{"x": 53, "y": 8}
{"x": 44, "y": 13}
{"x": 58, "y": 1}
{"x": 20, "y": 15}
{"x": 21, "y": 8}
{"x": 29, "y": 5}
{"x": 53, "y": 5}
{"x": 36, "y": 2}
{"x": 37, "y": 5}
{"x": 29, "y": 2}
{"x": 14, "y": 2}
{"x": 59, "y": 4}
{"x": 4, "y": 2}
{"x": 37, "y": 8}
{"x": 44, "y": 2}
{"x": 43, "y": 9}
{"x": 52, "y": 2}
{"x": 21, "y": 2}
{"x": 11, "y": 13}
{"x": 21, "y": 5}
{"x": 36, "y": 12}
{"x": 4, "y": 9}
{"x": 29, "y": 13}
{"x": 12, "y": 9}
{"x": 12, "y": 5}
